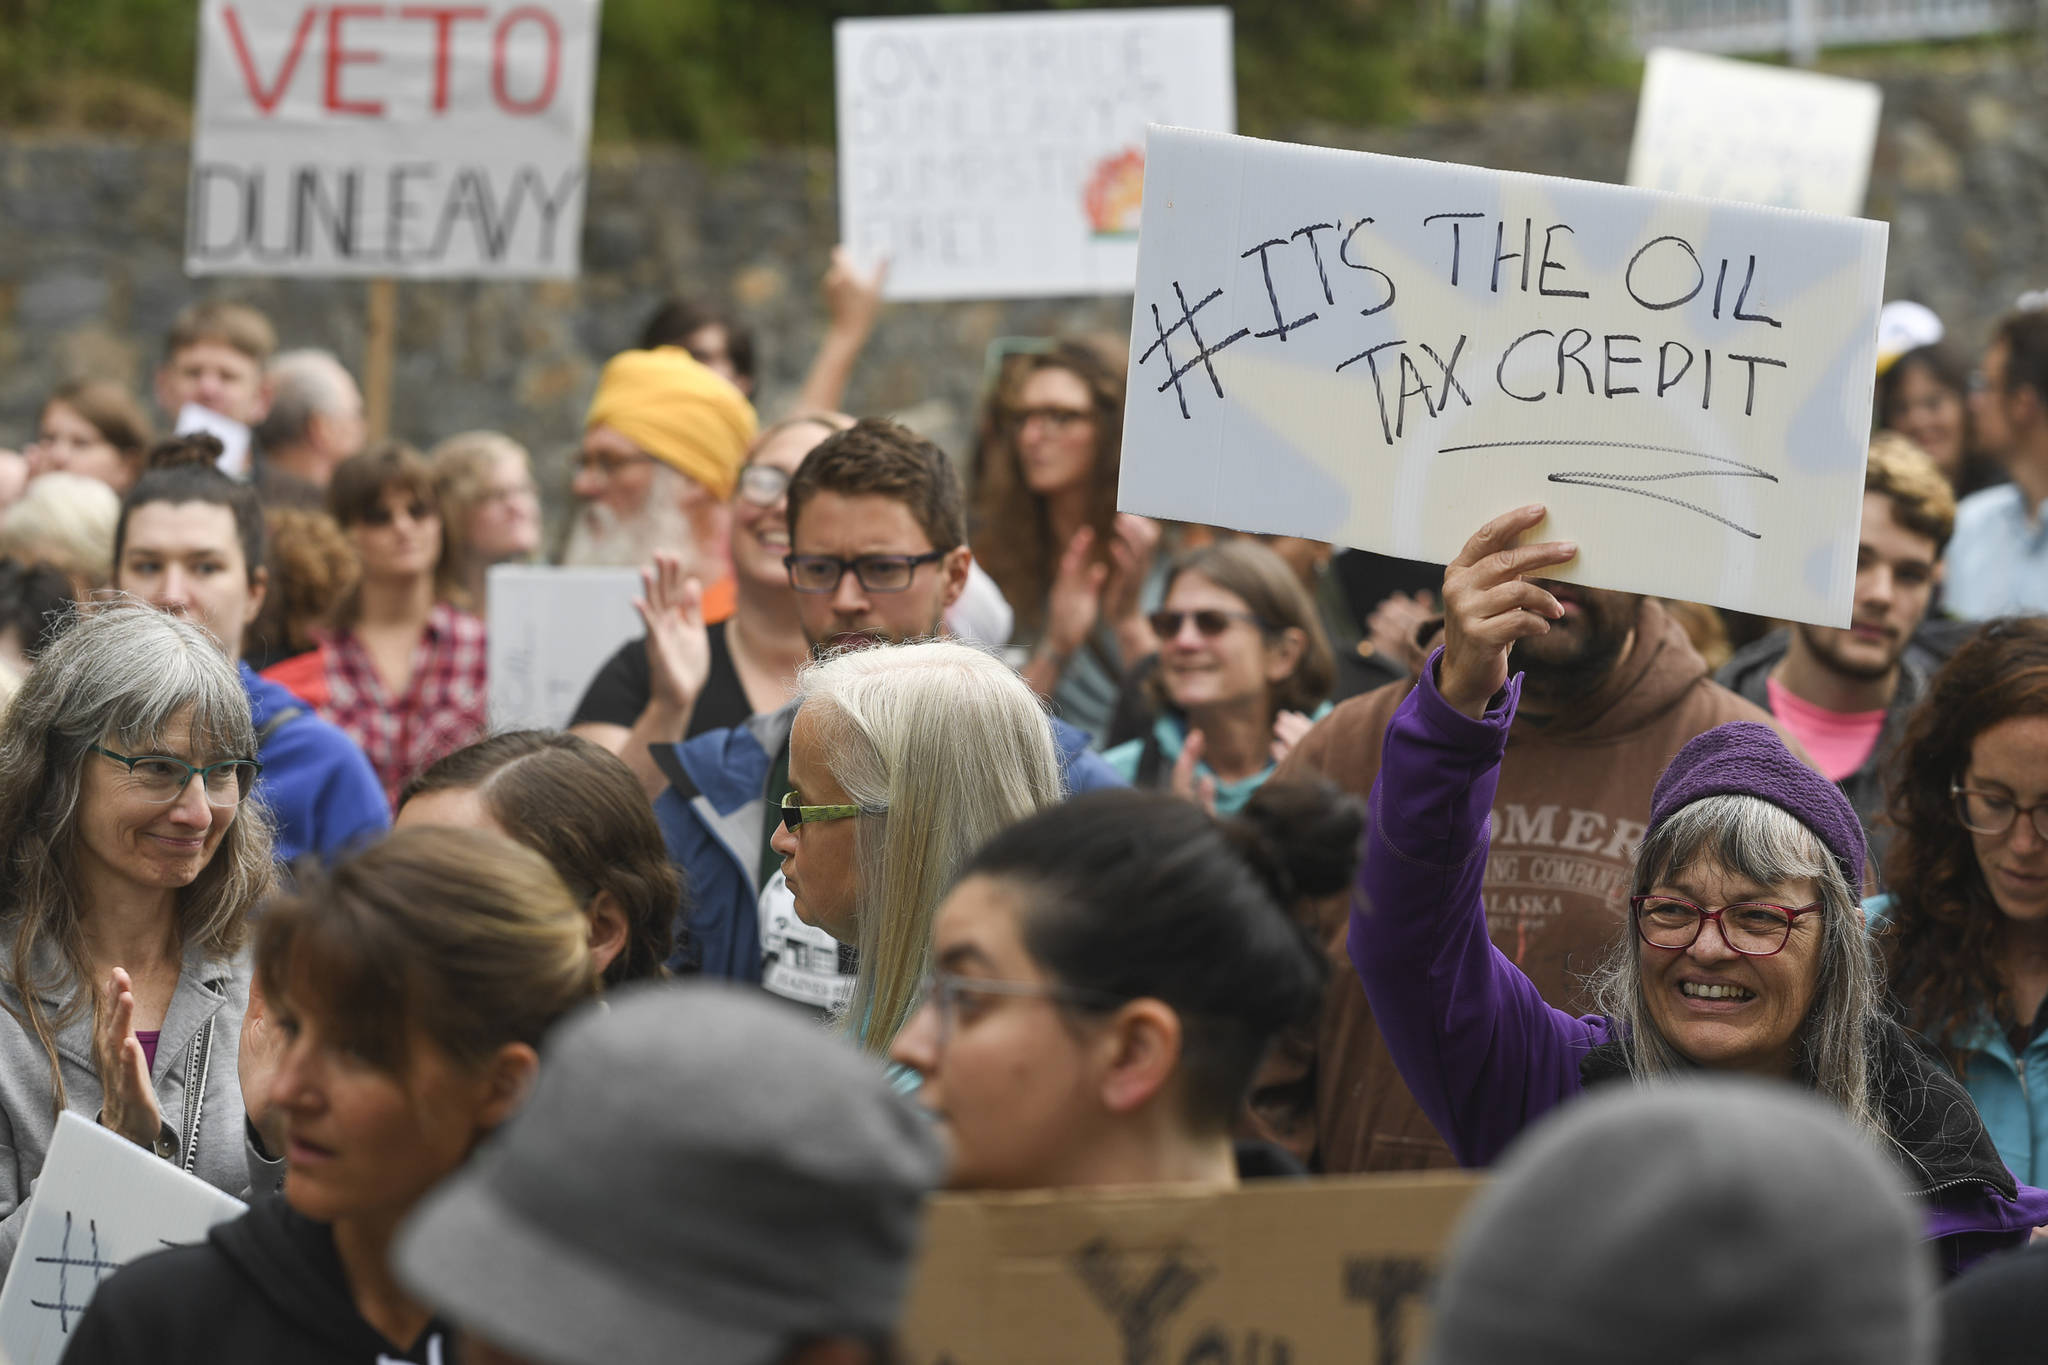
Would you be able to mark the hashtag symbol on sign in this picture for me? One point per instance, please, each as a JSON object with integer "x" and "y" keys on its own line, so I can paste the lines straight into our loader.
{"x": 64, "y": 1308}
{"x": 1187, "y": 320}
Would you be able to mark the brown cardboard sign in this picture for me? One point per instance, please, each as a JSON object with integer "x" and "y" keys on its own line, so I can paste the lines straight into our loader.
{"x": 1296, "y": 1272}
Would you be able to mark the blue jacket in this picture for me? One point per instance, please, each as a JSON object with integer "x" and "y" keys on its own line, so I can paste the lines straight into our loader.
{"x": 714, "y": 810}
{"x": 2011, "y": 1092}
{"x": 320, "y": 789}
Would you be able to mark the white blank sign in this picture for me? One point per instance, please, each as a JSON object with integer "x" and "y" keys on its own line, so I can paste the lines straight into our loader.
{"x": 550, "y": 630}
{"x": 1762, "y": 134}
{"x": 999, "y": 156}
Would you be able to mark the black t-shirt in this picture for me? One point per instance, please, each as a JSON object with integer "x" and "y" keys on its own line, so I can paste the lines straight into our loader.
{"x": 619, "y": 692}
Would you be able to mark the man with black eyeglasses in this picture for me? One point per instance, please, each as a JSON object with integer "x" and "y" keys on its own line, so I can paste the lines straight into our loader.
{"x": 877, "y": 553}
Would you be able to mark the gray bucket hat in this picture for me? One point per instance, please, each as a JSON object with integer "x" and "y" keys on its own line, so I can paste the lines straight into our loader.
{"x": 1709, "y": 1220}
{"x": 699, "y": 1174}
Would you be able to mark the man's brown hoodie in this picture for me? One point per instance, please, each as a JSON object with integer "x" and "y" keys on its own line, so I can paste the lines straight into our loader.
{"x": 1573, "y": 798}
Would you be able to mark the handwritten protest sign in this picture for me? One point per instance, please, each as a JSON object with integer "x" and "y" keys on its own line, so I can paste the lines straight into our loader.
{"x": 993, "y": 156}
{"x": 101, "y": 1202}
{"x": 1761, "y": 134}
{"x": 550, "y": 630}
{"x": 1274, "y": 1273}
{"x": 381, "y": 140}
{"x": 1384, "y": 353}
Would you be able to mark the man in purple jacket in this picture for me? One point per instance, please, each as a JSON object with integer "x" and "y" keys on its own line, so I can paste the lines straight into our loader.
{"x": 1745, "y": 950}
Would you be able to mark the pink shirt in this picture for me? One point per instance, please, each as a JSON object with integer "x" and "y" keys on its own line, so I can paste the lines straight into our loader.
{"x": 1839, "y": 741}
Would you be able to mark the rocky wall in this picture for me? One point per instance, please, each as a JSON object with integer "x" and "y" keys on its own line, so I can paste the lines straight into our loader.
{"x": 90, "y": 257}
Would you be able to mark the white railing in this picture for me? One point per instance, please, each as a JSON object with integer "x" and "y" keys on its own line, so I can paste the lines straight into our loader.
{"x": 1801, "y": 28}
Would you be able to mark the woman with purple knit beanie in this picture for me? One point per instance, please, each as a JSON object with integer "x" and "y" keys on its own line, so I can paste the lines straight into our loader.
{"x": 1745, "y": 949}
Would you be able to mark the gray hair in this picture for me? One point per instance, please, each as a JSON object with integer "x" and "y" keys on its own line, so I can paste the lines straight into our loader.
{"x": 304, "y": 384}
{"x": 1748, "y": 837}
{"x": 943, "y": 745}
{"x": 123, "y": 675}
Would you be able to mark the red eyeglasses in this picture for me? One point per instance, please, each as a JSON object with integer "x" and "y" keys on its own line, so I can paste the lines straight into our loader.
{"x": 1752, "y": 928}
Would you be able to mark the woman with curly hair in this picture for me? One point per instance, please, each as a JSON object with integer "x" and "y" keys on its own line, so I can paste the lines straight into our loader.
{"x": 1966, "y": 926}
{"x": 313, "y": 569}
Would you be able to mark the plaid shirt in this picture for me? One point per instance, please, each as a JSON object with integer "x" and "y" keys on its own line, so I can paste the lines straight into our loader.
{"x": 443, "y": 705}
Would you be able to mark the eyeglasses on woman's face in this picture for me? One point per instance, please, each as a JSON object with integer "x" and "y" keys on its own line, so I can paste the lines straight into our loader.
{"x": 948, "y": 994}
{"x": 1209, "y": 622}
{"x": 795, "y": 816}
{"x": 1993, "y": 813}
{"x": 1752, "y": 928}
{"x": 385, "y": 511}
{"x": 161, "y": 779}
{"x": 762, "y": 484}
{"x": 1058, "y": 421}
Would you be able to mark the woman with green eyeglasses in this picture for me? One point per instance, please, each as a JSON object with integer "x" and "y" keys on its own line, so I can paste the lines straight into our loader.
{"x": 1965, "y": 928}
{"x": 904, "y": 759}
{"x": 133, "y": 855}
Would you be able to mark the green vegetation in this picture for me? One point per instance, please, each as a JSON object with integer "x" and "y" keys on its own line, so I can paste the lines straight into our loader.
{"x": 726, "y": 75}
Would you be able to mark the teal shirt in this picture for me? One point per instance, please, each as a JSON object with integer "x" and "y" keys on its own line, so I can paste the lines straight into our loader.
{"x": 2011, "y": 1092}
{"x": 1171, "y": 733}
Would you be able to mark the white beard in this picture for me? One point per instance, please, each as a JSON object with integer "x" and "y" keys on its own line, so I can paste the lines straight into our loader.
{"x": 600, "y": 538}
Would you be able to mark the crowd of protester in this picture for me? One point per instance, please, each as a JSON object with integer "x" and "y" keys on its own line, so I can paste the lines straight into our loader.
{"x": 945, "y": 827}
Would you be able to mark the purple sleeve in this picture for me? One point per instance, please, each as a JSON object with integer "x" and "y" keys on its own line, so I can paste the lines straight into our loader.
{"x": 1967, "y": 1225}
{"x": 1481, "y": 1051}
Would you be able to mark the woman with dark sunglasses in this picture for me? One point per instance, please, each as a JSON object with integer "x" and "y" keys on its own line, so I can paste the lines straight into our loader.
{"x": 1106, "y": 976}
{"x": 1743, "y": 948}
{"x": 131, "y": 855}
{"x": 1966, "y": 933}
{"x": 1243, "y": 671}
{"x": 403, "y": 672}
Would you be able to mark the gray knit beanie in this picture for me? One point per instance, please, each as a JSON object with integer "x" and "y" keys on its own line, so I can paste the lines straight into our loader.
{"x": 1709, "y": 1220}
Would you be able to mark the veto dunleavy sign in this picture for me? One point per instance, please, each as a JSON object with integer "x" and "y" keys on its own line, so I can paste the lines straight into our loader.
{"x": 1383, "y": 353}
{"x": 429, "y": 141}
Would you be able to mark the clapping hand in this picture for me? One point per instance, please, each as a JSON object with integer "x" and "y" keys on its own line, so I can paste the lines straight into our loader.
{"x": 678, "y": 649}
{"x": 128, "y": 1101}
{"x": 1200, "y": 790}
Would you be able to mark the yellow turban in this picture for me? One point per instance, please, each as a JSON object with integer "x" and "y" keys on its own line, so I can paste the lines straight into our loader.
{"x": 679, "y": 412}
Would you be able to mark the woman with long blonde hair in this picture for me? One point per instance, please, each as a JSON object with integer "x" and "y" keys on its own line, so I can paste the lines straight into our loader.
{"x": 903, "y": 761}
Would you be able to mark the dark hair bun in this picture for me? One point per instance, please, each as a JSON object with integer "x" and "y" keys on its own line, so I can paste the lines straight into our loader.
{"x": 198, "y": 448}
{"x": 1300, "y": 837}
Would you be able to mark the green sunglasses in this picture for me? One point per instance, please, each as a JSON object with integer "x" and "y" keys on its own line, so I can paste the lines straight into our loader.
{"x": 794, "y": 814}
